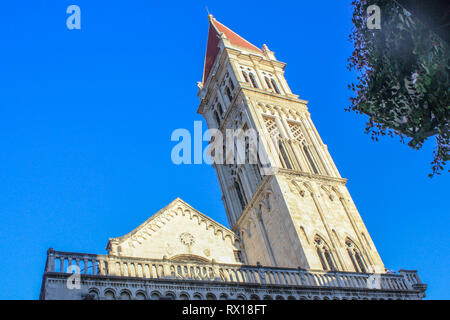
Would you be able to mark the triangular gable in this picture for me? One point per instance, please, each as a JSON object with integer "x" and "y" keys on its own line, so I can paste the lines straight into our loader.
{"x": 178, "y": 230}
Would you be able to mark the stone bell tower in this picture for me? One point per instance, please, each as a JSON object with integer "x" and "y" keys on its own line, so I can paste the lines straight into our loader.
{"x": 290, "y": 207}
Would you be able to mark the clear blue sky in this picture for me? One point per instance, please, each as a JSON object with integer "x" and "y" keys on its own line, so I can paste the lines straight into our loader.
{"x": 86, "y": 118}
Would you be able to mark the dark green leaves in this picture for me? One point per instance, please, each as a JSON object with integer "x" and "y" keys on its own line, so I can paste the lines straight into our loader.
{"x": 404, "y": 80}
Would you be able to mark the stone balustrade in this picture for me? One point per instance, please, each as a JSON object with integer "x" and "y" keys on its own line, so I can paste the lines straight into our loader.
{"x": 107, "y": 265}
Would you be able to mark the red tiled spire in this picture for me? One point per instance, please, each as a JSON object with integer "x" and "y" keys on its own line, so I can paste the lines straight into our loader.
{"x": 212, "y": 49}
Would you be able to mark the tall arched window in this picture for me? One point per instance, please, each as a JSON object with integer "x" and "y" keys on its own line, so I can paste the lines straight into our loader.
{"x": 310, "y": 159}
{"x": 249, "y": 159}
{"x": 355, "y": 256}
{"x": 275, "y": 87}
{"x": 253, "y": 80}
{"x": 219, "y": 107}
{"x": 324, "y": 253}
{"x": 284, "y": 157}
{"x": 240, "y": 194}
{"x": 244, "y": 74}
{"x": 268, "y": 82}
{"x": 231, "y": 84}
{"x": 228, "y": 92}
{"x": 217, "y": 118}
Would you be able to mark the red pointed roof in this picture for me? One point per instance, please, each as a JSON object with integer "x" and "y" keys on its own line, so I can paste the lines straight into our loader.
{"x": 212, "y": 49}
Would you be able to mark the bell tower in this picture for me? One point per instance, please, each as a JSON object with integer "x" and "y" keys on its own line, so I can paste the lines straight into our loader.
{"x": 288, "y": 203}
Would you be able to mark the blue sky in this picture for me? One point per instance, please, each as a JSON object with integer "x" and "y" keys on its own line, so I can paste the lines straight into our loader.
{"x": 86, "y": 118}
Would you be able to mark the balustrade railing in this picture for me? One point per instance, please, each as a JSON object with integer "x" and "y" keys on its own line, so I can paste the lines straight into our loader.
{"x": 105, "y": 265}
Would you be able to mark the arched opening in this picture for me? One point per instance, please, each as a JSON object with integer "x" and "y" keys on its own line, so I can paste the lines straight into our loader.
{"x": 109, "y": 295}
{"x": 184, "y": 296}
{"x": 93, "y": 294}
{"x": 228, "y": 92}
{"x": 216, "y": 117}
{"x": 170, "y": 296}
{"x": 284, "y": 156}
{"x": 219, "y": 108}
{"x": 275, "y": 87}
{"x": 210, "y": 296}
{"x": 239, "y": 194}
{"x": 268, "y": 82}
{"x": 125, "y": 295}
{"x": 231, "y": 84}
{"x": 244, "y": 74}
{"x": 355, "y": 256}
{"x": 197, "y": 296}
{"x": 223, "y": 296}
{"x": 156, "y": 295}
{"x": 253, "y": 80}
{"x": 324, "y": 254}
{"x": 141, "y": 296}
{"x": 310, "y": 159}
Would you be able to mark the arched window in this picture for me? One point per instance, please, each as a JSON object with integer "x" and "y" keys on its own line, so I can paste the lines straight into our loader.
{"x": 324, "y": 253}
{"x": 310, "y": 159}
{"x": 355, "y": 256}
{"x": 239, "y": 194}
{"x": 228, "y": 92}
{"x": 238, "y": 256}
{"x": 253, "y": 80}
{"x": 231, "y": 84}
{"x": 219, "y": 108}
{"x": 217, "y": 118}
{"x": 284, "y": 157}
{"x": 268, "y": 82}
{"x": 244, "y": 74}
{"x": 275, "y": 87}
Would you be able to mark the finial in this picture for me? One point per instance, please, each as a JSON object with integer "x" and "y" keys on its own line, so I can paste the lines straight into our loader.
{"x": 210, "y": 16}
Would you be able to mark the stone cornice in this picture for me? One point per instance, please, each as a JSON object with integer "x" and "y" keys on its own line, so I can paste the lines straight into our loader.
{"x": 316, "y": 177}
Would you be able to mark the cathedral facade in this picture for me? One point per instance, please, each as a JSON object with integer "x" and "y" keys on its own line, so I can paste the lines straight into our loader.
{"x": 295, "y": 232}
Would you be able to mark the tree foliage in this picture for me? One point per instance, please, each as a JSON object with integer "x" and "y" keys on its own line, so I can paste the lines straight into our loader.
{"x": 403, "y": 79}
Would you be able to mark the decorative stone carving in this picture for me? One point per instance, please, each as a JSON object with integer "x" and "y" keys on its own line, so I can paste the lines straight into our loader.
{"x": 187, "y": 239}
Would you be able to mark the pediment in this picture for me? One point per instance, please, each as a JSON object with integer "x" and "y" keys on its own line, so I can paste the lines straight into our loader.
{"x": 178, "y": 231}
